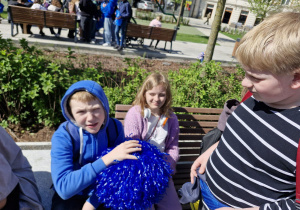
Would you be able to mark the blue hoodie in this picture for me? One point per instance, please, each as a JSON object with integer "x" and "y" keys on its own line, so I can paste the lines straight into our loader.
{"x": 109, "y": 9}
{"x": 71, "y": 175}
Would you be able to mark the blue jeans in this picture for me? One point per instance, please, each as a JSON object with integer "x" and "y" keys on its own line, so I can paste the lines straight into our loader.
{"x": 122, "y": 27}
{"x": 208, "y": 198}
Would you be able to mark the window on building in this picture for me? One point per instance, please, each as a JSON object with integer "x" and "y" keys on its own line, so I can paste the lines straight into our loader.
{"x": 243, "y": 17}
{"x": 257, "y": 21}
{"x": 227, "y": 15}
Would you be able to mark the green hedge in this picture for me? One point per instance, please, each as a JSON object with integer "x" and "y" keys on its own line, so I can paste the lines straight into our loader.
{"x": 32, "y": 85}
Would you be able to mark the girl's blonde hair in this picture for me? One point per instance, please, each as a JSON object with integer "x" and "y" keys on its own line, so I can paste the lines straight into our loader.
{"x": 152, "y": 81}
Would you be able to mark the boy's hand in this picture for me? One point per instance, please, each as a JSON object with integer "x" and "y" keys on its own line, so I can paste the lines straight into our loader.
{"x": 122, "y": 152}
{"x": 201, "y": 162}
{"x": 88, "y": 206}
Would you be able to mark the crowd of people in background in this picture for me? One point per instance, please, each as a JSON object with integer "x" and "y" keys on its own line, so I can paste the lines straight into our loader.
{"x": 92, "y": 15}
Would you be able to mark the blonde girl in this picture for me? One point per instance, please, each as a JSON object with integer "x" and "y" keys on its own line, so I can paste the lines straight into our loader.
{"x": 151, "y": 119}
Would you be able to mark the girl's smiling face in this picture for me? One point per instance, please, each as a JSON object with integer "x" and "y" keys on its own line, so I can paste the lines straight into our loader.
{"x": 156, "y": 98}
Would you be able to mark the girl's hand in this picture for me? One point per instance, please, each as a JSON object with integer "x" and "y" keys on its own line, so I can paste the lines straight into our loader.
{"x": 88, "y": 206}
{"x": 201, "y": 162}
{"x": 122, "y": 152}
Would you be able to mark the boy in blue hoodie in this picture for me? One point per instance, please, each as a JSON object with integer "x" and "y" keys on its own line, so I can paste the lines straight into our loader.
{"x": 78, "y": 142}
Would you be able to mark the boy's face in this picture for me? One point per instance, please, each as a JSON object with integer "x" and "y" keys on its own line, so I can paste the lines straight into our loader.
{"x": 274, "y": 90}
{"x": 88, "y": 115}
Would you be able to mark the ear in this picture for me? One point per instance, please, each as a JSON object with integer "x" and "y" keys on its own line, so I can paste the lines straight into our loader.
{"x": 296, "y": 80}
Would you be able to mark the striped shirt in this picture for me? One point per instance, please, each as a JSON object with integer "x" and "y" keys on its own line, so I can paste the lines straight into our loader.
{"x": 255, "y": 161}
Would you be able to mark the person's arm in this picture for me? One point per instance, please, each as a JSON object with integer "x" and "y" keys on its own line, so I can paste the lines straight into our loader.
{"x": 122, "y": 152}
{"x": 15, "y": 169}
{"x": 88, "y": 206}
{"x": 201, "y": 162}
{"x": 172, "y": 141}
{"x": 133, "y": 123}
{"x": 126, "y": 12}
{"x": 67, "y": 179}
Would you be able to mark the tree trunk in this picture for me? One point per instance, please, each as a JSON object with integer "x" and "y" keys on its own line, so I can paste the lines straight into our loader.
{"x": 215, "y": 28}
{"x": 180, "y": 13}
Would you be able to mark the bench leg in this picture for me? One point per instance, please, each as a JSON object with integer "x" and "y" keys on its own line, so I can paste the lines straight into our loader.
{"x": 170, "y": 48}
{"x": 151, "y": 43}
{"x": 12, "y": 29}
{"x": 156, "y": 44}
{"x": 25, "y": 28}
{"x": 165, "y": 45}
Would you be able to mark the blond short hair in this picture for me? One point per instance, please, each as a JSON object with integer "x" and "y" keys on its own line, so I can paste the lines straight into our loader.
{"x": 273, "y": 45}
{"x": 82, "y": 96}
{"x": 152, "y": 81}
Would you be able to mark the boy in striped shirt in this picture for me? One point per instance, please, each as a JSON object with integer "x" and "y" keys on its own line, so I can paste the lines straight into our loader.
{"x": 253, "y": 165}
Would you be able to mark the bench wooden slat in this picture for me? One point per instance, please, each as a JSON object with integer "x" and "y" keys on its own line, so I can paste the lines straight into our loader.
{"x": 36, "y": 16}
{"x": 163, "y": 34}
{"x": 193, "y": 117}
{"x": 190, "y": 137}
{"x": 28, "y": 16}
{"x": 195, "y": 130}
{"x": 196, "y": 144}
{"x": 61, "y": 20}
{"x": 140, "y": 31}
{"x": 198, "y": 124}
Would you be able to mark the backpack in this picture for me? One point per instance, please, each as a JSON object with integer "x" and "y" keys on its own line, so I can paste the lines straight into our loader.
{"x": 111, "y": 132}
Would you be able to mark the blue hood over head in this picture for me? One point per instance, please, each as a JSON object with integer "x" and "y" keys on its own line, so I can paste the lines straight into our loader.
{"x": 91, "y": 87}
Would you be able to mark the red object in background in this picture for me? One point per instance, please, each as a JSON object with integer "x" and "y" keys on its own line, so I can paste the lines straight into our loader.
{"x": 246, "y": 96}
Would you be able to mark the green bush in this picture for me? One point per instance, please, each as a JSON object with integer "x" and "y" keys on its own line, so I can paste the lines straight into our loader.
{"x": 32, "y": 84}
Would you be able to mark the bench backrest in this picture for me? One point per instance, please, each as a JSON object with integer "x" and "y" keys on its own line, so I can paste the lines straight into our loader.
{"x": 194, "y": 123}
{"x": 27, "y": 15}
{"x": 60, "y": 20}
{"x": 38, "y": 17}
{"x": 136, "y": 30}
{"x": 163, "y": 34}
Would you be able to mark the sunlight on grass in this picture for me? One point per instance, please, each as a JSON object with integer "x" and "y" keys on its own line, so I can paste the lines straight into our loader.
{"x": 192, "y": 38}
{"x": 233, "y": 36}
{"x": 185, "y": 33}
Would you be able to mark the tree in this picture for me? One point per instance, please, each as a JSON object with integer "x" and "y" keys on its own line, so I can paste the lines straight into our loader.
{"x": 215, "y": 28}
{"x": 262, "y": 7}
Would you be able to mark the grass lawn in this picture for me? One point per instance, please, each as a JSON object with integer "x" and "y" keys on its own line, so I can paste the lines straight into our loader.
{"x": 4, "y": 14}
{"x": 185, "y": 33}
{"x": 233, "y": 36}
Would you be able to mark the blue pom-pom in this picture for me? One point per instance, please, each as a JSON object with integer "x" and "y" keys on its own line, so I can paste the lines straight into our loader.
{"x": 135, "y": 184}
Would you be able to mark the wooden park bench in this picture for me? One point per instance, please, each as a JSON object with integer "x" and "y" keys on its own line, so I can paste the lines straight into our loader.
{"x": 194, "y": 123}
{"x": 141, "y": 32}
{"x": 27, "y": 16}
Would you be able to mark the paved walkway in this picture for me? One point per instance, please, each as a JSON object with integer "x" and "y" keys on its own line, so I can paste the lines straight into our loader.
{"x": 181, "y": 50}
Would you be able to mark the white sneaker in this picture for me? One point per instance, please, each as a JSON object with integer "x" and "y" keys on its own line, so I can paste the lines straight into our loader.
{"x": 106, "y": 45}
{"x": 93, "y": 41}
